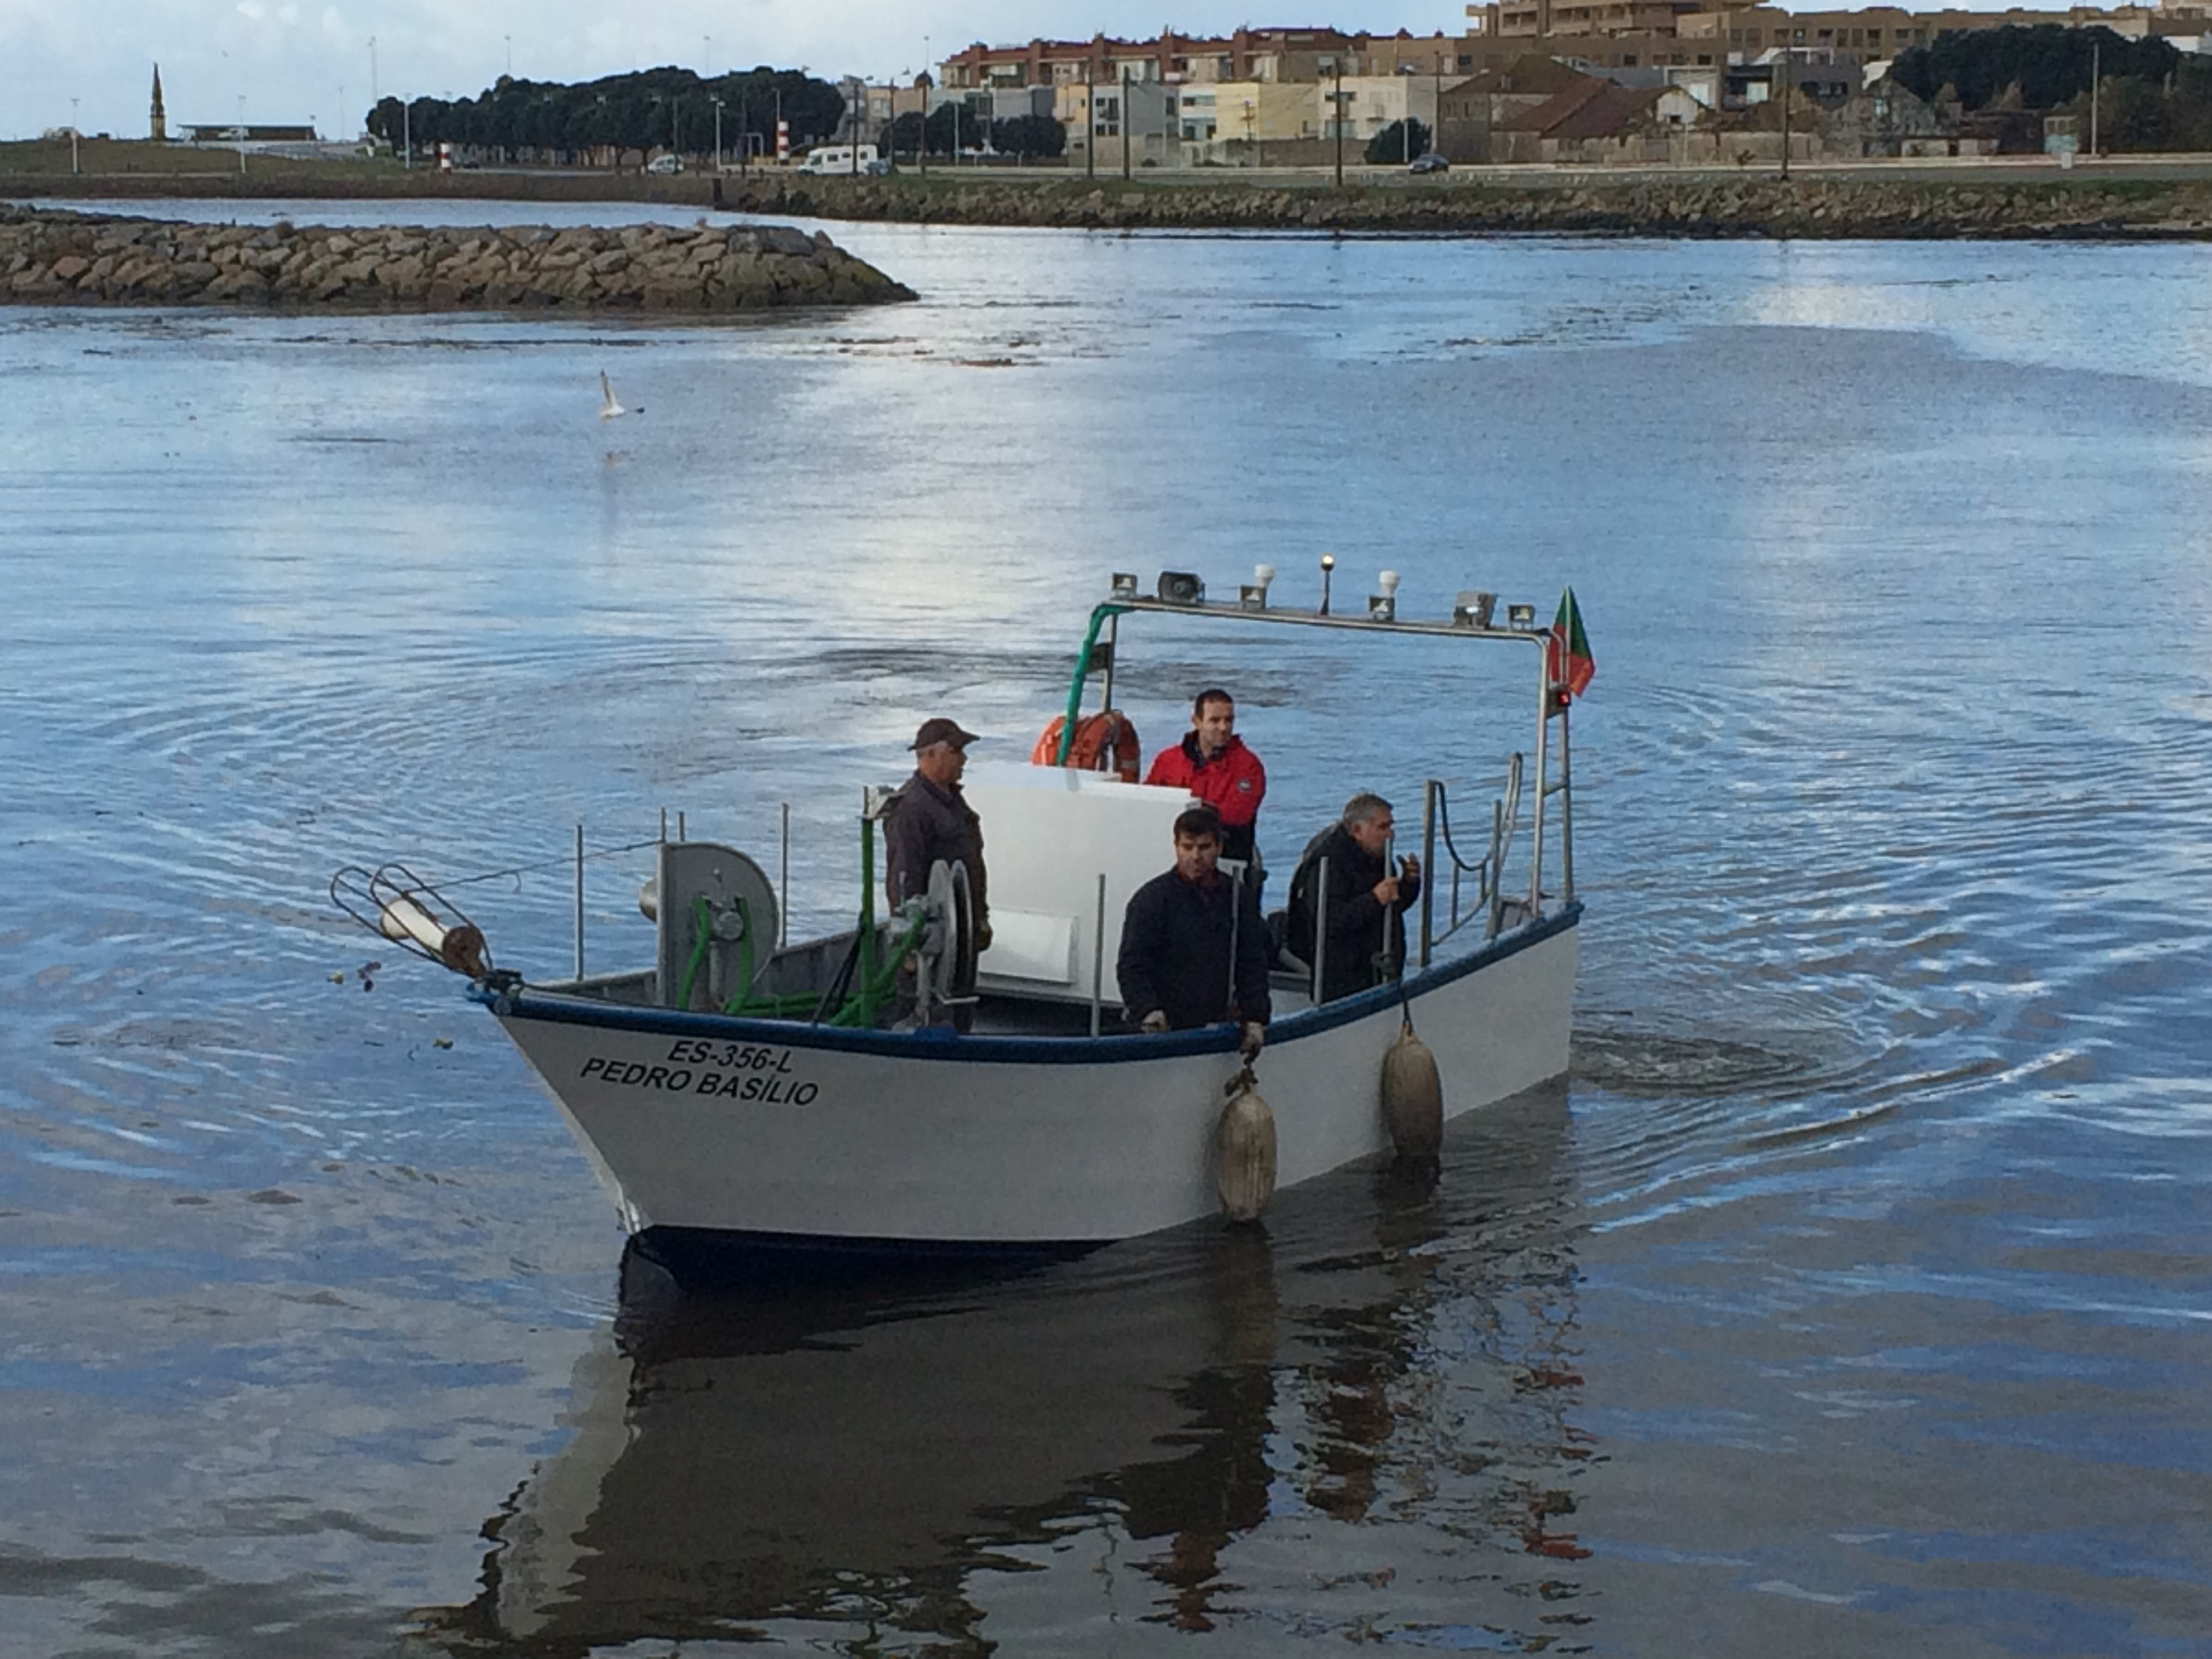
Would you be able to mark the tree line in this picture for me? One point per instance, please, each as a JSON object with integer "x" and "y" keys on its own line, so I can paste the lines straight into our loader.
{"x": 666, "y": 108}
{"x": 2149, "y": 96}
{"x": 959, "y": 128}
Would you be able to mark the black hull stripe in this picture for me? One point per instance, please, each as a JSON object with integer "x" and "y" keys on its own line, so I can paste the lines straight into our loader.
{"x": 526, "y": 1004}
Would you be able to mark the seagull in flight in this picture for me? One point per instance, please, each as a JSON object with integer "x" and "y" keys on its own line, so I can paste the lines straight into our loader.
{"x": 609, "y": 409}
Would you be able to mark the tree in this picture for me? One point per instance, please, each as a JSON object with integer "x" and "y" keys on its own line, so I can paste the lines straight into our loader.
{"x": 949, "y": 119}
{"x": 904, "y": 134}
{"x": 2048, "y": 63}
{"x": 1030, "y": 136}
{"x": 1401, "y": 140}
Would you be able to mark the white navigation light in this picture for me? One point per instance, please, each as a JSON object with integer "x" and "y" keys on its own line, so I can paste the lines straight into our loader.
{"x": 1473, "y": 608}
{"x": 1521, "y": 616}
{"x": 1125, "y": 585}
{"x": 1383, "y": 606}
{"x": 1328, "y": 565}
{"x": 1253, "y": 596}
{"x": 1181, "y": 587}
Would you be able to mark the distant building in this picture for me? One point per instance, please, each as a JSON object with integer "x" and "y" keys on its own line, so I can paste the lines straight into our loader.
{"x": 1876, "y": 32}
{"x": 157, "y": 119}
{"x": 230, "y": 132}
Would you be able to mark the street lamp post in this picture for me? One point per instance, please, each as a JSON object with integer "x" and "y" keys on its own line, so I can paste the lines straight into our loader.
{"x": 510, "y": 55}
{"x": 2096, "y": 78}
{"x": 1126, "y": 113}
{"x": 1336, "y": 111}
{"x": 241, "y": 135}
{"x": 1783, "y": 65}
{"x": 73, "y": 138}
{"x": 718, "y": 134}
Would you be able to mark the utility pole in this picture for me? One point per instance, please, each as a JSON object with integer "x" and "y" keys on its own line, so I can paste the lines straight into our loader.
{"x": 2096, "y": 82}
{"x": 929, "y": 85}
{"x": 1126, "y": 113}
{"x": 1090, "y": 120}
{"x": 73, "y": 167}
{"x": 1784, "y": 66}
{"x": 1336, "y": 102}
{"x": 718, "y": 136}
{"x": 241, "y": 135}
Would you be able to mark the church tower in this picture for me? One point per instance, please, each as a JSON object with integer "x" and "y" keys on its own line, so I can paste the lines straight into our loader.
{"x": 158, "y": 119}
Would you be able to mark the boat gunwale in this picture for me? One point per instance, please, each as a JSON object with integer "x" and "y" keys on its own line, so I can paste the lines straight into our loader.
{"x": 556, "y": 1007}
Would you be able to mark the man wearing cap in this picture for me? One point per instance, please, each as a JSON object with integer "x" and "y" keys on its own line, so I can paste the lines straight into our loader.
{"x": 930, "y": 819}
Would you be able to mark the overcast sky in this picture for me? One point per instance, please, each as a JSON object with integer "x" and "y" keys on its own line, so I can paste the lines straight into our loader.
{"x": 293, "y": 59}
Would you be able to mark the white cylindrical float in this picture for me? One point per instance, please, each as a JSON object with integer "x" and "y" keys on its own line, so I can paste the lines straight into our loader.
{"x": 1244, "y": 1152}
{"x": 1412, "y": 1094}
{"x": 403, "y": 919}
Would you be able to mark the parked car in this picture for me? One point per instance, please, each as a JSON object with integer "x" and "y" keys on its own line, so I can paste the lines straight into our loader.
{"x": 1429, "y": 162}
{"x": 665, "y": 164}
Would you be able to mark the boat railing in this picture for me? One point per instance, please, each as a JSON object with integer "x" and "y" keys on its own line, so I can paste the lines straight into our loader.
{"x": 1484, "y": 873}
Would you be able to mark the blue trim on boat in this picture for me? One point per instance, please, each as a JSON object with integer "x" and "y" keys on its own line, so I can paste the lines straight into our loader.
{"x": 942, "y": 1043}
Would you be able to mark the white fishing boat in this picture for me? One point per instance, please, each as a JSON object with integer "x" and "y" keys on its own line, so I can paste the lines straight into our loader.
{"x": 743, "y": 1087}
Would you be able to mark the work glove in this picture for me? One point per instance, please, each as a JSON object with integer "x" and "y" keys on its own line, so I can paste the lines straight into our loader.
{"x": 1155, "y": 1021}
{"x": 1250, "y": 1039}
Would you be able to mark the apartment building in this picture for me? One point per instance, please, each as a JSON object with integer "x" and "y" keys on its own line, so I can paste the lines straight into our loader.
{"x": 1875, "y": 30}
{"x": 1279, "y": 54}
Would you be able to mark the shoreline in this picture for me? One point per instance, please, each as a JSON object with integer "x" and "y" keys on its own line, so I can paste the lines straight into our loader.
{"x": 2006, "y": 202}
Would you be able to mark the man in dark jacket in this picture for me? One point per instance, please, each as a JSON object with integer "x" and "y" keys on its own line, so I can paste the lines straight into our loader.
{"x": 1194, "y": 948}
{"x": 930, "y": 819}
{"x": 1362, "y": 890}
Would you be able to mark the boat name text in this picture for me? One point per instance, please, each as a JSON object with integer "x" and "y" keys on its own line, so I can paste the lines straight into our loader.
{"x": 752, "y": 1074}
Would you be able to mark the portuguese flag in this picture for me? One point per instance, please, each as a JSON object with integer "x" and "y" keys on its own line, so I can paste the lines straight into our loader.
{"x": 1568, "y": 656}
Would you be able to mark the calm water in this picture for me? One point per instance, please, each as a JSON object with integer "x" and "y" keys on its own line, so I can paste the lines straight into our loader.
{"x": 1855, "y": 1297}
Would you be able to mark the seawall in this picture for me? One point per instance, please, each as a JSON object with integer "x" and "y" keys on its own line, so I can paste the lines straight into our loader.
{"x": 57, "y": 257}
{"x": 1675, "y": 205}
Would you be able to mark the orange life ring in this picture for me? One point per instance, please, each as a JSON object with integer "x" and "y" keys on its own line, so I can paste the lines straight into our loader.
{"x": 1104, "y": 742}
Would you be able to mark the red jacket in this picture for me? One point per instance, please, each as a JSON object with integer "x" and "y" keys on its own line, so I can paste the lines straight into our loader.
{"x": 1233, "y": 783}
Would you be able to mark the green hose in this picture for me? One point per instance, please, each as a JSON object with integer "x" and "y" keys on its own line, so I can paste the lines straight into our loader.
{"x": 884, "y": 983}
{"x": 1082, "y": 672}
{"x": 702, "y": 934}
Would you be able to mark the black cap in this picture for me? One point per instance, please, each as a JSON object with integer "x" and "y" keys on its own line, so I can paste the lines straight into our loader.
{"x": 941, "y": 730}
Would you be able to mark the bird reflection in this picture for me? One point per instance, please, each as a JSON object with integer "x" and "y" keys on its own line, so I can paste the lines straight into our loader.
{"x": 802, "y": 1459}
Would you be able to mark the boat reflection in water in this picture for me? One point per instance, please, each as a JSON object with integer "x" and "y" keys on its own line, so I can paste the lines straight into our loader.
{"x": 1086, "y": 1444}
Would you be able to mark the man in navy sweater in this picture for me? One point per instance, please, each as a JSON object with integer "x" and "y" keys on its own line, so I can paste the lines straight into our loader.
{"x": 1193, "y": 949}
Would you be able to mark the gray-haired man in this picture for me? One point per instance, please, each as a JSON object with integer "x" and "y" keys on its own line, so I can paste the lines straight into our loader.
{"x": 1362, "y": 890}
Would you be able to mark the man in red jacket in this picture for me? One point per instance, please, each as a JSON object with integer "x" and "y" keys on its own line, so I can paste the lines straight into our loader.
{"x": 1213, "y": 763}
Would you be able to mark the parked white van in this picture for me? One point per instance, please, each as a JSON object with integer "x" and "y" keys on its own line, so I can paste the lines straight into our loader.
{"x": 838, "y": 158}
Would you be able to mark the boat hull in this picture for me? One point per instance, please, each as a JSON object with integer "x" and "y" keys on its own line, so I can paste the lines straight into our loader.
{"x": 785, "y": 1133}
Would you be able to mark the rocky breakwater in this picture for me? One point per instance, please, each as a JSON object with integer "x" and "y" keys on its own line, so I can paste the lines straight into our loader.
{"x": 52, "y": 258}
